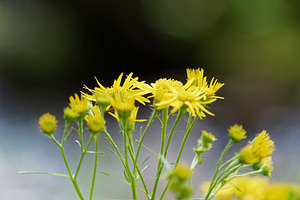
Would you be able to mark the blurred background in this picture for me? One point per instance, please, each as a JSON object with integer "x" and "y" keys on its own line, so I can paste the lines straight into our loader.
{"x": 50, "y": 49}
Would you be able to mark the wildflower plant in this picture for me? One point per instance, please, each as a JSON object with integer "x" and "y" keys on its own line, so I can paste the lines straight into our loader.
{"x": 189, "y": 101}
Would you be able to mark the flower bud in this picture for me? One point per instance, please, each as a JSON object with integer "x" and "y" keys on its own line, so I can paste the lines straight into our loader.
{"x": 95, "y": 121}
{"x": 237, "y": 133}
{"x": 47, "y": 123}
{"x": 70, "y": 115}
{"x": 207, "y": 139}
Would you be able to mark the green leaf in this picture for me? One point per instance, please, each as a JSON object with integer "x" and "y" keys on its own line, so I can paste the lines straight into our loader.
{"x": 47, "y": 173}
{"x": 144, "y": 168}
{"x": 148, "y": 149}
{"x": 76, "y": 141}
{"x": 112, "y": 151}
{"x": 106, "y": 174}
{"x": 145, "y": 161}
{"x": 93, "y": 152}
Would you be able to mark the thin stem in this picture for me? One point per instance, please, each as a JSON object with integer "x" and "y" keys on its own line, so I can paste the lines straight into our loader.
{"x": 96, "y": 139}
{"x": 236, "y": 167}
{"x": 159, "y": 170}
{"x": 150, "y": 121}
{"x": 186, "y": 135}
{"x": 111, "y": 141}
{"x": 80, "y": 132}
{"x": 221, "y": 181}
{"x": 212, "y": 183}
{"x": 74, "y": 182}
{"x": 162, "y": 146}
{"x": 65, "y": 134}
{"x": 82, "y": 156}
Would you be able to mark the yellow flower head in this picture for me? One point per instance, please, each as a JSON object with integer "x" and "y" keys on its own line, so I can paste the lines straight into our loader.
{"x": 131, "y": 118}
{"x": 206, "y": 139}
{"x": 70, "y": 115}
{"x": 79, "y": 105}
{"x": 103, "y": 97}
{"x": 267, "y": 166}
{"x": 262, "y": 145}
{"x": 47, "y": 123}
{"x": 237, "y": 133}
{"x": 123, "y": 103}
{"x": 182, "y": 171}
{"x": 213, "y": 87}
{"x": 187, "y": 95}
{"x": 131, "y": 86}
{"x": 95, "y": 122}
{"x": 198, "y": 76}
{"x": 160, "y": 89}
{"x": 259, "y": 148}
{"x": 247, "y": 155}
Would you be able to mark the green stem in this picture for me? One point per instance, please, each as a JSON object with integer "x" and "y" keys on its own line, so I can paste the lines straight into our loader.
{"x": 165, "y": 117}
{"x": 150, "y": 121}
{"x": 65, "y": 134}
{"x": 82, "y": 156}
{"x": 222, "y": 180}
{"x": 111, "y": 141}
{"x": 80, "y": 132}
{"x": 186, "y": 135}
{"x": 74, "y": 182}
{"x": 161, "y": 163}
{"x": 129, "y": 149}
{"x": 96, "y": 139}
{"x": 212, "y": 183}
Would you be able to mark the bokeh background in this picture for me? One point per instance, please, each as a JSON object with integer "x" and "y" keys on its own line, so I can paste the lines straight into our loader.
{"x": 49, "y": 49}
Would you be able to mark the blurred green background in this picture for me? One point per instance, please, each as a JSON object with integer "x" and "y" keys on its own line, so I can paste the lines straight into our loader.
{"x": 49, "y": 49}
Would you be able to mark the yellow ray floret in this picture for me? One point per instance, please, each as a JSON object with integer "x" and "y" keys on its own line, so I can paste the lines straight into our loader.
{"x": 78, "y": 105}
{"x": 262, "y": 145}
{"x": 104, "y": 95}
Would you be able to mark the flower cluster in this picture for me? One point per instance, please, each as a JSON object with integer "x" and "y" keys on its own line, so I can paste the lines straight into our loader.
{"x": 195, "y": 94}
{"x": 187, "y": 101}
{"x": 254, "y": 158}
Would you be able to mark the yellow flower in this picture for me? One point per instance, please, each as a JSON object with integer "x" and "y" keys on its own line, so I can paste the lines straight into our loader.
{"x": 213, "y": 87}
{"x": 187, "y": 95}
{"x": 123, "y": 103}
{"x": 247, "y": 156}
{"x": 262, "y": 145}
{"x": 133, "y": 115}
{"x": 259, "y": 148}
{"x": 69, "y": 114}
{"x": 79, "y": 105}
{"x": 281, "y": 191}
{"x": 103, "y": 95}
{"x": 267, "y": 166}
{"x": 237, "y": 133}
{"x": 256, "y": 188}
{"x": 160, "y": 90}
{"x": 103, "y": 98}
{"x": 131, "y": 118}
{"x": 47, "y": 123}
{"x": 182, "y": 171}
{"x": 96, "y": 121}
{"x": 198, "y": 76}
{"x": 250, "y": 188}
{"x": 201, "y": 81}
{"x": 206, "y": 139}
